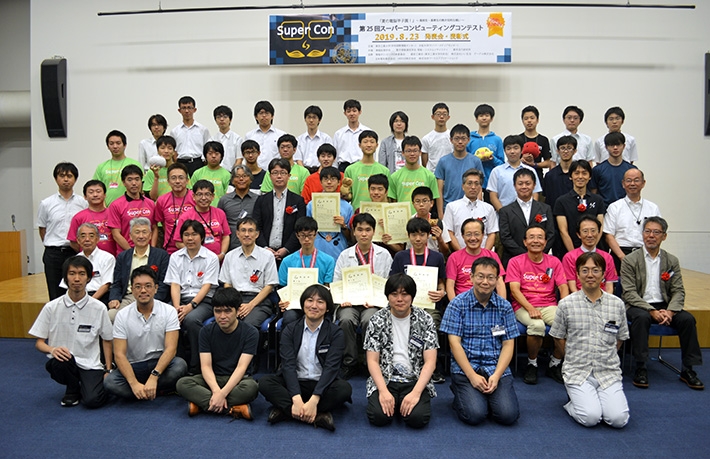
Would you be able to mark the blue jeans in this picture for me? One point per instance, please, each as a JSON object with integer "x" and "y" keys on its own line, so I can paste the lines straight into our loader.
{"x": 116, "y": 383}
{"x": 472, "y": 406}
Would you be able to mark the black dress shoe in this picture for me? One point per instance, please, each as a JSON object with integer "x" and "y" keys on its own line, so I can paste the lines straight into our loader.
{"x": 555, "y": 372}
{"x": 438, "y": 378}
{"x": 641, "y": 378}
{"x": 324, "y": 421}
{"x": 276, "y": 416}
{"x": 530, "y": 376}
{"x": 691, "y": 379}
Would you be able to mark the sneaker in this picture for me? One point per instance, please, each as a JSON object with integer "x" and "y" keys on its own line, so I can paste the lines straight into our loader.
{"x": 641, "y": 378}
{"x": 691, "y": 379}
{"x": 555, "y": 372}
{"x": 530, "y": 376}
{"x": 438, "y": 378}
{"x": 70, "y": 400}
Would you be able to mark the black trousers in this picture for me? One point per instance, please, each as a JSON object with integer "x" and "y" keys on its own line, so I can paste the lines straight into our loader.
{"x": 53, "y": 259}
{"x": 89, "y": 384}
{"x": 273, "y": 388}
{"x": 420, "y": 415}
{"x": 683, "y": 322}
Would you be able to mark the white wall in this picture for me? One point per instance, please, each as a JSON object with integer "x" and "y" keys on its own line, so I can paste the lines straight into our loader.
{"x": 123, "y": 69}
{"x": 15, "y": 143}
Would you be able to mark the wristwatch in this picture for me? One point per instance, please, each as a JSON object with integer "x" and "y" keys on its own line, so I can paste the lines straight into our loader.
{"x": 194, "y": 305}
{"x": 155, "y": 373}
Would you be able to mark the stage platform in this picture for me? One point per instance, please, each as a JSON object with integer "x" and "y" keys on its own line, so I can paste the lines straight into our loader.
{"x": 22, "y": 298}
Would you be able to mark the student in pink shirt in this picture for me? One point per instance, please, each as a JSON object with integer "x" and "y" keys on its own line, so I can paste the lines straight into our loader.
{"x": 172, "y": 207}
{"x": 588, "y": 229}
{"x": 96, "y": 214}
{"x": 129, "y": 206}
{"x": 213, "y": 219}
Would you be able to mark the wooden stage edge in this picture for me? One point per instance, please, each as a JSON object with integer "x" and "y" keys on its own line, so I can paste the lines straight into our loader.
{"x": 22, "y": 298}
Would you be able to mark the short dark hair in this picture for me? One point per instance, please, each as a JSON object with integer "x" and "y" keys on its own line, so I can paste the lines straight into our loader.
{"x": 187, "y": 100}
{"x": 305, "y": 224}
{"x": 131, "y": 169}
{"x": 473, "y": 220}
{"x": 203, "y": 185}
{"x": 165, "y": 140}
{"x": 287, "y": 138}
{"x": 180, "y": 166}
{"x": 313, "y": 110}
{"x": 144, "y": 270}
{"x": 484, "y": 109}
{"x": 658, "y": 220}
{"x": 65, "y": 167}
{"x": 247, "y": 220}
{"x": 326, "y": 149}
{"x": 213, "y": 145}
{"x": 473, "y": 171}
{"x": 77, "y": 261}
{"x": 439, "y": 105}
{"x": 196, "y": 227}
{"x": 418, "y": 225}
{"x": 250, "y": 145}
{"x": 329, "y": 172}
{"x": 94, "y": 182}
{"x": 513, "y": 140}
{"x": 280, "y": 162}
{"x": 222, "y": 110}
{"x": 614, "y": 138}
{"x": 588, "y": 218}
{"x": 352, "y": 103}
{"x": 400, "y": 281}
{"x": 378, "y": 179}
{"x": 573, "y": 108}
{"x": 460, "y": 129}
{"x": 411, "y": 141}
{"x": 596, "y": 258}
{"x": 367, "y": 133}
{"x": 485, "y": 261}
{"x": 116, "y": 133}
{"x": 227, "y": 297}
{"x": 158, "y": 119}
{"x": 365, "y": 218}
{"x": 532, "y": 109}
{"x": 522, "y": 172}
{"x": 566, "y": 140}
{"x": 535, "y": 226}
{"x": 403, "y": 116}
{"x": 322, "y": 292}
{"x": 580, "y": 164}
{"x": 422, "y": 191}
{"x": 264, "y": 105}
{"x": 614, "y": 111}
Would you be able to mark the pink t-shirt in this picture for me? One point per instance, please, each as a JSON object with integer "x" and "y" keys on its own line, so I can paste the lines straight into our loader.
{"x": 458, "y": 268}
{"x": 168, "y": 210}
{"x": 532, "y": 276}
{"x": 216, "y": 227}
{"x": 100, "y": 219}
{"x": 570, "y": 258}
{"x": 122, "y": 211}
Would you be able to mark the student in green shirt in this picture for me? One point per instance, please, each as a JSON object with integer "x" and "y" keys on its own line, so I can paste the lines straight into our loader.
{"x": 287, "y": 148}
{"x": 214, "y": 172}
{"x": 361, "y": 171}
{"x": 109, "y": 171}
{"x": 155, "y": 182}
{"x": 413, "y": 175}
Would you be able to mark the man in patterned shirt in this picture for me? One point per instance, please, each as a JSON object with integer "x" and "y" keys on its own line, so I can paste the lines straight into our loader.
{"x": 482, "y": 331}
{"x": 401, "y": 345}
{"x": 593, "y": 325}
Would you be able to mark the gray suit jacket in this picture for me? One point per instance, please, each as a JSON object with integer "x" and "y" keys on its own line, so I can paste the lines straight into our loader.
{"x": 633, "y": 281}
{"x": 512, "y": 226}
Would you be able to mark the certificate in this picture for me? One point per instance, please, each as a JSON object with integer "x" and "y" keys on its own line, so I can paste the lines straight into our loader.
{"x": 426, "y": 278}
{"x": 378, "y": 297}
{"x": 325, "y": 207}
{"x": 374, "y": 209}
{"x": 298, "y": 280}
{"x": 357, "y": 284}
{"x": 396, "y": 215}
{"x": 336, "y": 291}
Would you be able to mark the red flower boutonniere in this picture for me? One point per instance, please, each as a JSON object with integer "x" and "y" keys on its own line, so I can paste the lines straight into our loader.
{"x": 291, "y": 209}
{"x": 545, "y": 278}
{"x": 255, "y": 276}
{"x": 200, "y": 274}
{"x": 539, "y": 218}
{"x": 666, "y": 276}
{"x": 582, "y": 207}
{"x": 154, "y": 268}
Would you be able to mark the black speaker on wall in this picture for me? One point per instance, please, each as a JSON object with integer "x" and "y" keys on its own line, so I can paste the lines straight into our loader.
{"x": 54, "y": 96}
{"x": 707, "y": 94}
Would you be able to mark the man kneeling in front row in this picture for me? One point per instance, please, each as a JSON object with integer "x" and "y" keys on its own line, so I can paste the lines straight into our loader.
{"x": 227, "y": 347}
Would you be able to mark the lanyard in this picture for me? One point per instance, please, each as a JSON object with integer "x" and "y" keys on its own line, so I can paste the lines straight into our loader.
{"x": 313, "y": 258}
{"x": 206, "y": 225}
{"x": 370, "y": 257}
{"x": 413, "y": 257}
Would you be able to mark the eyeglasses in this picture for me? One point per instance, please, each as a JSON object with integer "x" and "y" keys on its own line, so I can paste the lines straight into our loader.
{"x": 654, "y": 232}
{"x": 140, "y": 287}
{"x": 441, "y": 113}
{"x": 636, "y": 180}
{"x": 277, "y": 173}
{"x": 586, "y": 271}
{"x": 306, "y": 235}
{"x": 468, "y": 235}
{"x": 204, "y": 195}
{"x": 460, "y": 138}
{"x": 481, "y": 278}
{"x": 566, "y": 148}
{"x": 422, "y": 201}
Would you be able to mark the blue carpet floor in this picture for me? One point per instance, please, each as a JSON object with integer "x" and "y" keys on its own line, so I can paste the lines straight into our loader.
{"x": 667, "y": 420}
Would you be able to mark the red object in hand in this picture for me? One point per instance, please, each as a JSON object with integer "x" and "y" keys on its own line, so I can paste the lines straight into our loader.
{"x": 581, "y": 208}
{"x": 538, "y": 218}
{"x": 531, "y": 148}
{"x": 666, "y": 276}
{"x": 545, "y": 278}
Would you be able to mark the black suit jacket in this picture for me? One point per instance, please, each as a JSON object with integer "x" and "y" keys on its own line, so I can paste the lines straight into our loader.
{"x": 264, "y": 216}
{"x": 122, "y": 273}
{"x": 512, "y": 226}
{"x": 330, "y": 346}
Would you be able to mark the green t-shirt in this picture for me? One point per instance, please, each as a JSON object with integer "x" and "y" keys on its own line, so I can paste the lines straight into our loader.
{"x": 359, "y": 173}
{"x": 404, "y": 181}
{"x": 109, "y": 172}
{"x": 219, "y": 178}
{"x": 163, "y": 185}
{"x": 298, "y": 177}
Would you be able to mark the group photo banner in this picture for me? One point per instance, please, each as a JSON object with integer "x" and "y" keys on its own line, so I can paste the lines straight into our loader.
{"x": 391, "y": 38}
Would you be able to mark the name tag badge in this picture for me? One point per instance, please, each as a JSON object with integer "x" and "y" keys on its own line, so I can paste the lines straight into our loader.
{"x": 612, "y": 328}
{"x": 103, "y": 237}
{"x": 323, "y": 349}
{"x": 113, "y": 185}
{"x": 498, "y": 330}
{"x": 416, "y": 342}
{"x": 243, "y": 214}
{"x": 209, "y": 240}
{"x": 84, "y": 329}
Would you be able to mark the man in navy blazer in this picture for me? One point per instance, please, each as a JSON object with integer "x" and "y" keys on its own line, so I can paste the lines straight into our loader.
{"x": 154, "y": 257}
{"x": 653, "y": 292}
{"x": 513, "y": 222}
{"x": 276, "y": 213}
{"x": 307, "y": 386}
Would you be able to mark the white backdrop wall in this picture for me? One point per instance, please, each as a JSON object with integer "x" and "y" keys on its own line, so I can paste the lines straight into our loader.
{"x": 122, "y": 69}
